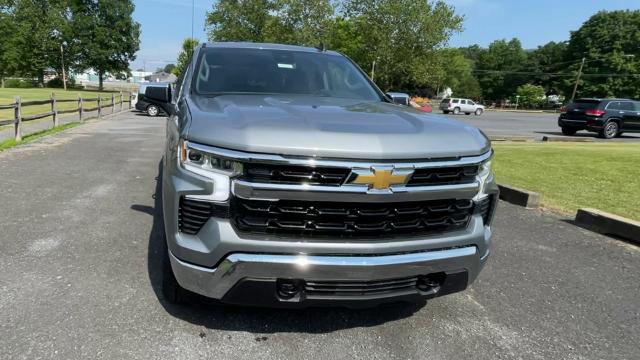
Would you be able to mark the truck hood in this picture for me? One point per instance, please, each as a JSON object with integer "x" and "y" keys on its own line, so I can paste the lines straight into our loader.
{"x": 328, "y": 127}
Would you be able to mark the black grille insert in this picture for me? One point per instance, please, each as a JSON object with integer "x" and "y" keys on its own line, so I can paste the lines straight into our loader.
{"x": 267, "y": 173}
{"x": 360, "y": 288}
{"x": 336, "y": 219}
{"x": 444, "y": 176}
{"x": 484, "y": 207}
{"x": 193, "y": 214}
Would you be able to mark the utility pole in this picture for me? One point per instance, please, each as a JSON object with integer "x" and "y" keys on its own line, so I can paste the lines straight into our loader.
{"x": 373, "y": 69}
{"x": 575, "y": 87}
{"x": 64, "y": 73}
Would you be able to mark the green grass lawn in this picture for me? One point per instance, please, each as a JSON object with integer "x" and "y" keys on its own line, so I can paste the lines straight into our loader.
{"x": 569, "y": 176}
{"x": 7, "y": 96}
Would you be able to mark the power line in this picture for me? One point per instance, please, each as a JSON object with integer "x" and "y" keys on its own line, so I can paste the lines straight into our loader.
{"x": 507, "y": 72}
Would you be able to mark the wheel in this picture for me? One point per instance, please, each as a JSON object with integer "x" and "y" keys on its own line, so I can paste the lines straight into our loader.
{"x": 610, "y": 130}
{"x": 456, "y": 111}
{"x": 478, "y": 112}
{"x": 467, "y": 113}
{"x": 445, "y": 111}
{"x": 172, "y": 291}
{"x": 152, "y": 110}
{"x": 568, "y": 131}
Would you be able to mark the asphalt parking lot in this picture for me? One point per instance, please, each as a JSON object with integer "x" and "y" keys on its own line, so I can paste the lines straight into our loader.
{"x": 526, "y": 124}
{"x": 80, "y": 276}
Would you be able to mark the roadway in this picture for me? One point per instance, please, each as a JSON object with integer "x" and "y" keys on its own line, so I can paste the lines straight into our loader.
{"x": 80, "y": 276}
{"x": 524, "y": 124}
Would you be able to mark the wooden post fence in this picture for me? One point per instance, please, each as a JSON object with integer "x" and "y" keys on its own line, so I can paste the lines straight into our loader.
{"x": 80, "y": 110}
{"x": 18, "y": 119}
{"x": 54, "y": 110}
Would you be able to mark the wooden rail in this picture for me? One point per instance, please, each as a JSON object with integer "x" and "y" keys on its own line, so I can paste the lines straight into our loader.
{"x": 102, "y": 102}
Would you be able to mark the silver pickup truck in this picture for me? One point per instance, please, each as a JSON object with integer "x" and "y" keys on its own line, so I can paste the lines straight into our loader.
{"x": 290, "y": 180}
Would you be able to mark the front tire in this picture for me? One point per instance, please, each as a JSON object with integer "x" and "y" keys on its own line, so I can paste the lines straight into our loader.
{"x": 456, "y": 111}
{"x": 172, "y": 291}
{"x": 567, "y": 131}
{"x": 478, "y": 112}
{"x": 152, "y": 110}
{"x": 610, "y": 130}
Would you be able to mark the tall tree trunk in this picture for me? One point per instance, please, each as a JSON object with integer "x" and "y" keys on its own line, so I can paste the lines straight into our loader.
{"x": 100, "y": 75}
{"x": 2, "y": 81}
{"x": 41, "y": 78}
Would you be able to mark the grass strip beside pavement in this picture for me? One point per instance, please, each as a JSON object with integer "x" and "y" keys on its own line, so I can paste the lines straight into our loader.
{"x": 569, "y": 176}
{"x": 7, "y": 144}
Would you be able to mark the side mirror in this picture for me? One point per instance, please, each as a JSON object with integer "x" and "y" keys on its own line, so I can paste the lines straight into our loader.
{"x": 161, "y": 94}
{"x": 400, "y": 100}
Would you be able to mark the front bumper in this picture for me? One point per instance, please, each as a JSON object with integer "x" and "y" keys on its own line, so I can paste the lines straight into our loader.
{"x": 252, "y": 279}
{"x": 223, "y": 263}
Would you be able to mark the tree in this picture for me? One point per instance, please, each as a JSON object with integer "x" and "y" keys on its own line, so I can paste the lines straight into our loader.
{"x": 169, "y": 68}
{"x": 531, "y": 95}
{"x": 6, "y": 29}
{"x": 107, "y": 35}
{"x": 544, "y": 60}
{"x": 32, "y": 45}
{"x": 280, "y": 21}
{"x": 300, "y": 22}
{"x": 609, "y": 42}
{"x": 457, "y": 74}
{"x": 401, "y": 37}
{"x": 239, "y": 20}
{"x": 497, "y": 69}
{"x": 185, "y": 56}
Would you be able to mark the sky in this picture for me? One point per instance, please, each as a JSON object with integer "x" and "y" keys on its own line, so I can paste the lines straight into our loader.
{"x": 165, "y": 23}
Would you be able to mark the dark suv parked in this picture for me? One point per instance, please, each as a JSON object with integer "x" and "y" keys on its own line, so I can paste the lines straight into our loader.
{"x": 608, "y": 117}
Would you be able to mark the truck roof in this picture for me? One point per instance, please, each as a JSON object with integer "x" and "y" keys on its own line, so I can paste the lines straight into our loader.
{"x": 252, "y": 45}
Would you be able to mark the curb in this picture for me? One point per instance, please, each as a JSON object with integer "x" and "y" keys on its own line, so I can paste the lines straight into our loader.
{"x": 608, "y": 224}
{"x": 521, "y": 197}
{"x": 512, "y": 138}
{"x": 567, "y": 139}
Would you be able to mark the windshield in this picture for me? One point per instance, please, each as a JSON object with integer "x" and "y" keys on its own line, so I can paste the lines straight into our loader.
{"x": 267, "y": 71}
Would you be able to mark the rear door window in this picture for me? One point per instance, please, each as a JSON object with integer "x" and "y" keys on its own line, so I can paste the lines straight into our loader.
{"x": 463, "y": 102}
{"x": 614, "y": 105}
{"x": 584, "y": 104}
{"x": 627, "y": 105}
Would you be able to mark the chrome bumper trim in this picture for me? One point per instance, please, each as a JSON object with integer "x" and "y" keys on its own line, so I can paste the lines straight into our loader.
{"x": 351, "y": 193}
{"x": 215, "y": 283}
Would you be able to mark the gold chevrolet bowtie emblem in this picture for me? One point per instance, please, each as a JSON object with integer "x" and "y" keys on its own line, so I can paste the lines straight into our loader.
{"x": 380, "y": 179}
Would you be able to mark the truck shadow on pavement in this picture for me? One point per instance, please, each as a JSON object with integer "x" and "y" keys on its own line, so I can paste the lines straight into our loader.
{"x": 200, "y": 311}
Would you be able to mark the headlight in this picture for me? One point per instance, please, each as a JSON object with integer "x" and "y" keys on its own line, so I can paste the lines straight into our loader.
{"x": 202, "y": 162}
{"x": 484, "y": 174}
{"x": 218, "y": 169}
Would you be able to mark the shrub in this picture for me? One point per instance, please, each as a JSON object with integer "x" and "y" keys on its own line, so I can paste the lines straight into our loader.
{"x": 18, "y": 83}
